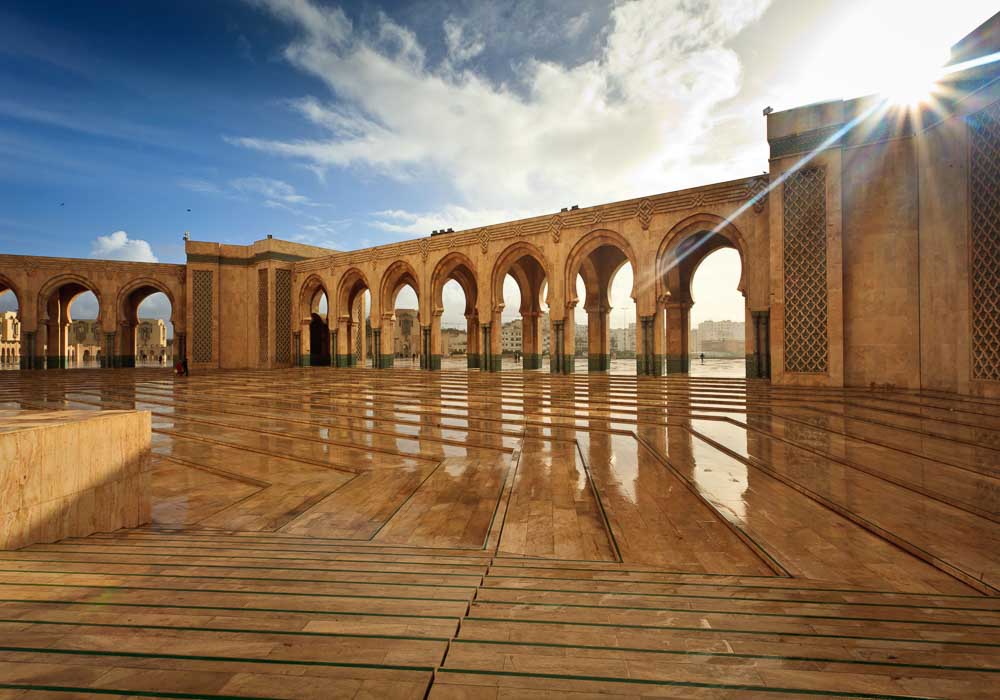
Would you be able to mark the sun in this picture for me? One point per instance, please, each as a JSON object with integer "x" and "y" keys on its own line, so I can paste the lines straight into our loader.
{"x": 911, "y": 79}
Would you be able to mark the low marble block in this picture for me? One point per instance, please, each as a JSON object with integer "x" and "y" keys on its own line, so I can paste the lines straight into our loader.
{"x": 72, "y": 473}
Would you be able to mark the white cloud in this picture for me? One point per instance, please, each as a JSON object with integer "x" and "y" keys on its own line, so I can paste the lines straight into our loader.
{"x": 632, "y": 120}
{"x": 576, "y": 25}
{"x": 118, "y": 246}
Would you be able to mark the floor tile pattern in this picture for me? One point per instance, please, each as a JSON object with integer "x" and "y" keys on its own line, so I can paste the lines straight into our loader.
{"x": 328, "y": 533}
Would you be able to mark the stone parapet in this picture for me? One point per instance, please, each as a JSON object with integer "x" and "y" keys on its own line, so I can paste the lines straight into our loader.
{"x": 72, "y": 473}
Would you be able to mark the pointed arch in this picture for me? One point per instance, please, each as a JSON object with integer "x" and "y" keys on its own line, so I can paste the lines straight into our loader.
{"x": 690, "y": 241}
{"x": 77, "y": 284}
{"x": 308, "y": 292}
{"x": 396, "y": 276}
{"x": 134, "y": 292}
{"x": 352, "y": 283}
{"x": 6, "y": 285}
{"x": 580, "y": 261}
{"x": 459, "y": 267}
{"x": 524, "y": 261}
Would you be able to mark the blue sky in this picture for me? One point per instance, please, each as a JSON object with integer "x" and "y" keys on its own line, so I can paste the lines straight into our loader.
{"x": 124, "y": 124}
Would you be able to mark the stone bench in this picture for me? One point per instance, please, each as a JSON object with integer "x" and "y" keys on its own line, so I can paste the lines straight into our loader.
{"x": 72, "y": 473}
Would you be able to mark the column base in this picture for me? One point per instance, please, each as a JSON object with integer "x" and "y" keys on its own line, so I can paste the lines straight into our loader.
{"x": 649, "y": 365}
{"x": 125, "y": 361}
{"x": 56, "y": 362}
{"x": 678, "y": 364}
{"x": 598, "y": 363}
{"x": 758, "y": 366}
{"x": 472, "y": 361}
{"x": 531, "y": 361}
{"x": 342, "y": 360}
{"x": 434, "y": 362}
{"x": 385, "y": 362}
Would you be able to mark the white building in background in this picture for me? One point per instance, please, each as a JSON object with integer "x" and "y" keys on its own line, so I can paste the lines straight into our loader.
{"x": 721, "y": 330}
{"x": 512, "y": 334}
{"x": 10, "y": 338}
{"x": 623, "y": 339}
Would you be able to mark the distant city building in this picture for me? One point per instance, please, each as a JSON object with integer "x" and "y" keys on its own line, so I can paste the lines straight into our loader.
{"x": 718, "y": 337}
{"x": 511, "y": 336}
{"x": 453, "y": 341}
{"x": 623, "y": 340}
{"x": 10, "y": 338}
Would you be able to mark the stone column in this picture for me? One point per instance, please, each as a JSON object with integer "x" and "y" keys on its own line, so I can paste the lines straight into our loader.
{"x": 57, "y": 344}
{"x": 759, "y": 362}
{"x": 472, "y": 341}
{"x": 31, "y": 357}
{"x": 531, "y": 340}
{"x": 385, "y": 341}
{"x": 598, "y": 338}
{"x": 180, "y": 346}
{"x": 485, "y": 345}
{"x": 302, "y": 344}
{"x": 428, "y": 357}
{"x": 678, "y": 320}
{"x": 126, "y": 348}
{"x": 432, "y": 347}
{"x": 648, "y": 361}
{"x": 568, "y": 349}
{"x": 334, "y": 333}
{"x": 342, "y": 346}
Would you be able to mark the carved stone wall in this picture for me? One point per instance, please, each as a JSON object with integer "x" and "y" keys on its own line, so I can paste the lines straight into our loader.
{"x": 262, "y": 288}
{"x": 804, "y": 272}
{"x": 984, "y": 245}
{"x": 282, "y": 316}
{"x": 202, "y": 282}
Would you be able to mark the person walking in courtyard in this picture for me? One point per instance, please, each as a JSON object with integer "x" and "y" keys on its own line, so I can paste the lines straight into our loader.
{"x": 702, "y": 356}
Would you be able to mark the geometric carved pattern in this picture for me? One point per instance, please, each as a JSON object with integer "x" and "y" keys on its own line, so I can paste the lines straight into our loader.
{"x": 282, "y": 316}
{"x": 984, "y": 227}
{"x": 262, "y": 314}
{"x": 201, "y": 342}
{"x": 804, "y": 256}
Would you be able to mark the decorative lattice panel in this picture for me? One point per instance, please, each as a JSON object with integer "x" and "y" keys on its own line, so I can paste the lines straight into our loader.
{"x": 359, "y": 324}
{"x": 262, "y": 314}
{"x": 201, "y": 341}
{"x": 283, "y": 316}
{"x": 984, "y": 226}
{"x": 804, "y": 255}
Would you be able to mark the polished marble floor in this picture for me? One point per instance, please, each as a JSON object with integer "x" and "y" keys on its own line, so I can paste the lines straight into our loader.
{"x": 523, "y": 535}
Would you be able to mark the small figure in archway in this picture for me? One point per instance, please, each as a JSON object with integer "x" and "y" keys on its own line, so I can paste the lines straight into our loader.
{"x": 178, "y": 368}
{"x": 184, "y": 366}
{"x": 702, "y": 358}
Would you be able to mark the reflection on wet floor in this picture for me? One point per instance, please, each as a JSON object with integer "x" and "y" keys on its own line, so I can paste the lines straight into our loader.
{"x": 704, "y": 473}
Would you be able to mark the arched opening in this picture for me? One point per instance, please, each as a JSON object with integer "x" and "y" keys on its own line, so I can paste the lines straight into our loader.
{"x": 313, "y": 341}
{"x": 719, "y": 291}
{"x": 601, "y": 271}
{"x": 154, "y": 331}
{"x": 68, "y": 323}
{"x": 10, "y": 328}
{"x": 354, "y": 321}
{"x": 400, "y": 337}
{"x": 145, "y": 326}
{"x": 454, "y": 323}
{"x": 520, "y": 313}
{"x": 717, "y": 335}
{"x": 406, "y": 328}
